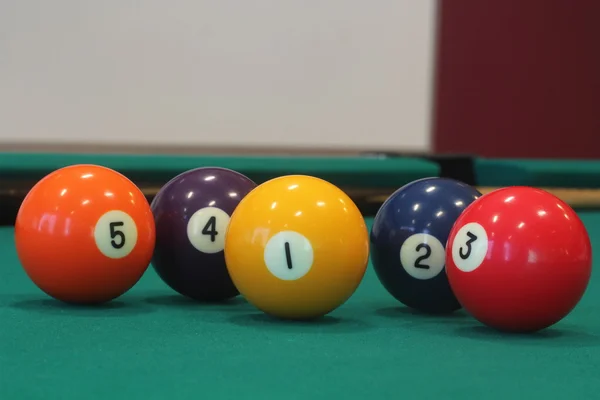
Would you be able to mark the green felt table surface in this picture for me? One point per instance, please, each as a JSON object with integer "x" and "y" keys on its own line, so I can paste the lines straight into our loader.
{"x": 363, "y": 171}
{"x": 371, "y": 171}
{"x": 537, "y": 172}
{"x": 153, "y": 344}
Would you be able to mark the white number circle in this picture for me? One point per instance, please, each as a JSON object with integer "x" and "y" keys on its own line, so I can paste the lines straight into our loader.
{"x": 115, "y": 234}
{"x": 206, "y": 229}
{"x": 289, "y": 255}
{"x": 470, "y": 247}
{"x": 423, "y": 256}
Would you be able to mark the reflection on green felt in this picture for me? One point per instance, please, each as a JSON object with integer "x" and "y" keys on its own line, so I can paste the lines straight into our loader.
{"x": 153, "y": 344}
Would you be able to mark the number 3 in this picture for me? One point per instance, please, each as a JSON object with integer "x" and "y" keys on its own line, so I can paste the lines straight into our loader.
{"x": 466, "y": 255}
{"x": 469, "y": 247}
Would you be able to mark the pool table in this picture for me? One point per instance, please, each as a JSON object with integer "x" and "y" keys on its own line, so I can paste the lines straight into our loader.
{"x": 154, "y": 344}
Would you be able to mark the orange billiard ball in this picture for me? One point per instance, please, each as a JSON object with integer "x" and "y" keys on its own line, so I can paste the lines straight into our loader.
{"x": 297, "y": 247}
{"x": 85, "y": 234}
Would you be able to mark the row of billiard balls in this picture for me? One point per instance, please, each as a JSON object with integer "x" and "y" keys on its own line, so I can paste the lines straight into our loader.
{"x": 297, "y": 247}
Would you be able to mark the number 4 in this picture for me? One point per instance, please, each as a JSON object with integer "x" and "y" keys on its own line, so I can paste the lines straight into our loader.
{"x": 211, "y": 228}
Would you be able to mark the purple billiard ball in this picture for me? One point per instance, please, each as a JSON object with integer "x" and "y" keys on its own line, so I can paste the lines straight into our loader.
{"x": 191, "y": 213}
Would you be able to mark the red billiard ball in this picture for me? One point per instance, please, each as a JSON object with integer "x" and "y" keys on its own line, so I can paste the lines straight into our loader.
{"x": 519, "y": 259}
{"x": 85, "y": 234}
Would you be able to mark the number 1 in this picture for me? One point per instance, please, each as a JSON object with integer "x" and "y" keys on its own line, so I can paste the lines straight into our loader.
{"x": 288, "y": 255}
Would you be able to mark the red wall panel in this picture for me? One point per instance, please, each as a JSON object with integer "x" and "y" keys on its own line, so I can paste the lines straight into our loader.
{"x": 518, "y": 78}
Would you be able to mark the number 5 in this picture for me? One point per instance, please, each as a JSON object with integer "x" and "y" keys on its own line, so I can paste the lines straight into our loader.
{"x": 115, "y": 233}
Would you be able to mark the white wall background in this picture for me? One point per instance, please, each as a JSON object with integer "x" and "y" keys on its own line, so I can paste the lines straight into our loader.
{"x": 341, "y": 73}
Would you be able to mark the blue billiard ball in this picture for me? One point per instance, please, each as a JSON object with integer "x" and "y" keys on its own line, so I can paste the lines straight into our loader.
{"x": 408, "y": 240}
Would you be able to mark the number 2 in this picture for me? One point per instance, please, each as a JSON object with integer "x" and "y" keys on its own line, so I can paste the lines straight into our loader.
{"x": 115, "y": 233}
{"x": 211, "y": 228}
{"x": 423, "y": 257}
{"x": 466, "y": 255}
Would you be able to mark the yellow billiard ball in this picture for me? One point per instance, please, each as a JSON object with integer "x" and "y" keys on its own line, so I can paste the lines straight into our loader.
{"x": 296, "y": 247}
